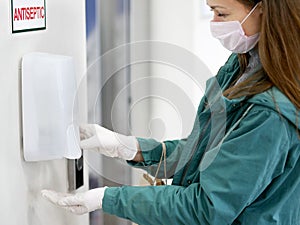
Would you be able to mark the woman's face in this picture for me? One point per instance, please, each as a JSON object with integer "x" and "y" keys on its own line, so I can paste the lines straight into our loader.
{"x": 230, "y": 10}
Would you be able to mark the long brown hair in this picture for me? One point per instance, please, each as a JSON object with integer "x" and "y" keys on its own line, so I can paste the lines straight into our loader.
{"x": 279, "y": 51}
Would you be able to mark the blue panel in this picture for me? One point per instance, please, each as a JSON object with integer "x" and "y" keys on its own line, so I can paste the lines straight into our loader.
{"x": 90, "y": 16}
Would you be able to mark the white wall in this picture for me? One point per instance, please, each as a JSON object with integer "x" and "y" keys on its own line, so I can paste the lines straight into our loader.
{"x": 139, "y": 33}
{"x": 21, "y": 181}
{"x": 156, "y": 26}
{"x": 172, "y": 23}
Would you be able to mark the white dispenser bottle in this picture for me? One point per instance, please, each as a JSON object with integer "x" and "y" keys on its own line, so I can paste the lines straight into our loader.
{"x": 50, "y": 109}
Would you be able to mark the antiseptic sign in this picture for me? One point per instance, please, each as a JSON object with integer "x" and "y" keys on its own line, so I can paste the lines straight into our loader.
{"x": 28, "y": 15}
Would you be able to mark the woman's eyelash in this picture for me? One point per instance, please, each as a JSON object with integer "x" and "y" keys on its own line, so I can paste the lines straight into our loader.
{"x": 218, "y": 14}
{"x": 221, "y": 14}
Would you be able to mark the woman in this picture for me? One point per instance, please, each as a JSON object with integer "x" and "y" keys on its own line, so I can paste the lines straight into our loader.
{"x": 243, "y": 169}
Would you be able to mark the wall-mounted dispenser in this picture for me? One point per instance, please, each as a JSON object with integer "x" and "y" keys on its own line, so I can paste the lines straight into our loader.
{"x": 50, "y": 109}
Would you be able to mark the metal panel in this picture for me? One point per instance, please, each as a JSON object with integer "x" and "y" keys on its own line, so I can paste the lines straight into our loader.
{"x": 108, "y": 28}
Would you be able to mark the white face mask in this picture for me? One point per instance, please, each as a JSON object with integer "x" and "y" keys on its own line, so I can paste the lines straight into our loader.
{"x": 232, "y": 36}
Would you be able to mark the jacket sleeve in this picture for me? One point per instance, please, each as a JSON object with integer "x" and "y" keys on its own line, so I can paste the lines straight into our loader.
{"x": 247, "y": 162}
{"x": 152, "y": 152}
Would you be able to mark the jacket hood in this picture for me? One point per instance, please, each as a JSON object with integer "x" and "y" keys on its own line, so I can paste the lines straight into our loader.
{"x": 276, "y": 100}
{"x": 272, "y": 98}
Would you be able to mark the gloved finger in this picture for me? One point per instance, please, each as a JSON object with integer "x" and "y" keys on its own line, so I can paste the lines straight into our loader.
{"x": 89, "y": 143}
{"x": 83, "y": 136}
{"x": 74, "y": 200}
{"x": 79, "y": 210}
{"x": 86, "y": 131}
{"x": 53, "y": 196}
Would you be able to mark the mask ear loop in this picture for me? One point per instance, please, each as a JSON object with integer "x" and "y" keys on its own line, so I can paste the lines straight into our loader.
{"x": 249, "y": 14}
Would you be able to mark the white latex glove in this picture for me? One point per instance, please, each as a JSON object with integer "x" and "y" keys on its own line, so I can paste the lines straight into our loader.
{"x": 78, "y": 203}
{"x": 107, "y": 142}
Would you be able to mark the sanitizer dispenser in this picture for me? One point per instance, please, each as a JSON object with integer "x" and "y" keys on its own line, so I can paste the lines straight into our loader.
{"x": 50, "y": 109}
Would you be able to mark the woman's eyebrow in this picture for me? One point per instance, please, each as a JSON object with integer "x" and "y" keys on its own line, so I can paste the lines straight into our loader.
{"x": 216, "y": 6}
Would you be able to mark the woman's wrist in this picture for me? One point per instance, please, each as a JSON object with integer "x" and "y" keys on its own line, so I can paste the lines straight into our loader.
{"x": 139, "y": 156}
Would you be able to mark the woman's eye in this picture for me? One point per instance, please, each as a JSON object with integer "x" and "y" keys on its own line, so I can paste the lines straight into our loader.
{"x": 221, "y": 15}
{"x": 218, "y": 14}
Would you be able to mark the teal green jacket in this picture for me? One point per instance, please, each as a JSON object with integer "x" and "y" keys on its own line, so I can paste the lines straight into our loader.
{"x": 239, "y": 165}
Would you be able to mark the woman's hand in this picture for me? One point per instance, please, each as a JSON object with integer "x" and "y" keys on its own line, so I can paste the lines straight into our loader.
{"x": 78, "y": 203}
{"x": 107, "y": 142}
